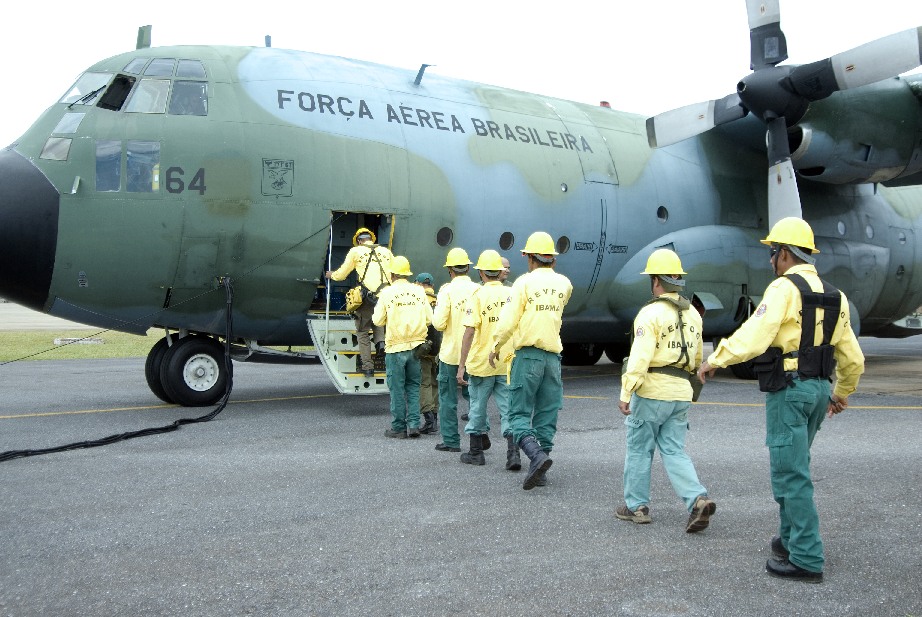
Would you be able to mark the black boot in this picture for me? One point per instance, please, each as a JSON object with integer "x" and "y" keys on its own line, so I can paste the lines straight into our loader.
{"x": 428, "y": 426}
{"x": 513, "y": 460}
{"x": 540, "y": 461}
{"x": 475, "y": 456}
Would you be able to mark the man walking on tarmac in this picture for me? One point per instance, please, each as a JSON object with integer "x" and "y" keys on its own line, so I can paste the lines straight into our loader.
{"x": 370, "y": 263}
{"x": 480, "y": 320}
{"x": 656, "y": 394}
{"x": 802, "y": 326}
{"x": 450, "y": 306}
{"x": 531, "y": 318}
{"x": 404, "y": 309}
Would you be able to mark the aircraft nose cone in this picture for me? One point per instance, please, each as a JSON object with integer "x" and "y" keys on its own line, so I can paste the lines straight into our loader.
{"x": 28, "y": 231}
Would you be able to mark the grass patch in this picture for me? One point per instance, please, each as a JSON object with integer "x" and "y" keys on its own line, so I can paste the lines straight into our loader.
{"x": 39, "y": 344}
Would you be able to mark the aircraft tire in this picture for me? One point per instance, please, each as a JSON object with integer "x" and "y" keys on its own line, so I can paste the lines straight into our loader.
{"x": 581, "y": 354}
{"x": 152, "y": 368}
{"x": 617, "y": 352}
{"x": 192, "y": 372}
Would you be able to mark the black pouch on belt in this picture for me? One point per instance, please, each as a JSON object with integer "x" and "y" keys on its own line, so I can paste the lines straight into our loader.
{"x": 817, "y": 361}
{"x": 769, "y": 368}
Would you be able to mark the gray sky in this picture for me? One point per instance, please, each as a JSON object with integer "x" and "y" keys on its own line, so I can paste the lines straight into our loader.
{"x": 643, "y": 57}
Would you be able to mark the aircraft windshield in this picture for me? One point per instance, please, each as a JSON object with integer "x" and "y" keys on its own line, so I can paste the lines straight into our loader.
{"x": 88, "y": 84}
{"x": 150, "y": 96}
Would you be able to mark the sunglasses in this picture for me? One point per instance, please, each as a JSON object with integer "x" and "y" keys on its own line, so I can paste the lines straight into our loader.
{"x": 774, "y": 250}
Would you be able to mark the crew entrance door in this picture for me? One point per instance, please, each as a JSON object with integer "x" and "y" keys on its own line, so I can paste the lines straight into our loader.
{"x": 333, "y": 329}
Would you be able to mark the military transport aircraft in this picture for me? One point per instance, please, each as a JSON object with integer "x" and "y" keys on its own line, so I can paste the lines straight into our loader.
{"x": 166, "y": 176}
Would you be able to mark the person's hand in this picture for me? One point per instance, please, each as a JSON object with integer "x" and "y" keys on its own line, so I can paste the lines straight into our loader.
{"x": 460, "y": 376}
{"x": 837, "y": 404}
{"x": 624, "y": 408}
{"x": 327, "y": 274}
{"x": 705, "y": 371}
{"x": 494, "y": 356}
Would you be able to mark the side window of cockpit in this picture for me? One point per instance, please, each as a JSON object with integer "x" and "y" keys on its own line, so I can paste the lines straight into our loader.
{"x": 116, "y": 93}
{"x": 190, "y": 98}
{"x": 108, "y": 165}
{"x": 143, "y": 166}
{"x": 149, "y": 97}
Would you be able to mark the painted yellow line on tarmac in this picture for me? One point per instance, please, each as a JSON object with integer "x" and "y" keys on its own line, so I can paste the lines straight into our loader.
{"x": 165, "y": 406}
{"x": 295, "y": 398}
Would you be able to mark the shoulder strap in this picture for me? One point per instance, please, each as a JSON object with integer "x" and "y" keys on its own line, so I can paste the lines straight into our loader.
{"x": 830, "y": 300}
{"x": 373, "y": 254}
{"x": 680, "y": 306}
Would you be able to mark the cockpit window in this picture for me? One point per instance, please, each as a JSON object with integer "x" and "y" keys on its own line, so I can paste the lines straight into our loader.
{"x": 56, "y": 149}
{"x": 135, "y": 66}
{"x": 143, "y": 166}
{"x": 108, "y": 165}
{"x": 190, "y": 68}
{"x": 149, "y": 97}
{"x": 117, "y": 92}
{"x": 69, "y": 123}
{"x": 87, "y": 88}
{"x": 160, "y": 67}
{"x": 190, "y": 98}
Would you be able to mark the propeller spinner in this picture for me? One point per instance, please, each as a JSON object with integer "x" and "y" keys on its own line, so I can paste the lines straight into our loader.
{"x": 780, "y": 95}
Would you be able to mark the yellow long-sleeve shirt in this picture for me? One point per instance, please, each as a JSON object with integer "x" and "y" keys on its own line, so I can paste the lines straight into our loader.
{"x": 658, "y": 342}
{"x": 450, "y": 305}
{"x": 777, "y": 323}
{"x": 404, "y": 309}
{"x": 534, "y": 311}
{"x": 483, "y": 309}
{"x": 356, "y": 259}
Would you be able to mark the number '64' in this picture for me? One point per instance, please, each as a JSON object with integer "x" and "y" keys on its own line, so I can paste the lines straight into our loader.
{"x": 175, "y": 181}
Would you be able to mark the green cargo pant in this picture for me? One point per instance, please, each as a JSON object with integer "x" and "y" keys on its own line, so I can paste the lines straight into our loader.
{"x": 793, "y": 416}
{"x": 535, "y": 395}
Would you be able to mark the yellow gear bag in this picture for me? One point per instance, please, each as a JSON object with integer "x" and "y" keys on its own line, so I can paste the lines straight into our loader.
{"x": 354, "y": 299}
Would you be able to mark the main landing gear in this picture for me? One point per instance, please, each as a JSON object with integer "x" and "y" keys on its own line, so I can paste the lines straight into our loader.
{"x": 188, "y": 371}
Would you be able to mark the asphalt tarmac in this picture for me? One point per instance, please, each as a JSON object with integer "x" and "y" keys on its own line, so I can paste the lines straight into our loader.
{"x": 292, "y": 502}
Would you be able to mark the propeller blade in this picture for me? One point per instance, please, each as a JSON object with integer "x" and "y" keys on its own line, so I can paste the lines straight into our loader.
{"x": 783, "y": 196}
{"x": 674, "y": 126}
{"x": 767, "y": 45}
{"x": 869, "y": 63}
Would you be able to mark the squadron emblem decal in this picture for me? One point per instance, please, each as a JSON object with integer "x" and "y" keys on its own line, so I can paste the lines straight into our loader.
{"x": 278, "y": 177}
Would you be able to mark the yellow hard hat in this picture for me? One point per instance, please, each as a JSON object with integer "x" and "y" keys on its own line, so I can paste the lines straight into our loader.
{"x": 792, "y": 231}
{"x": 457, "y": 257}
{"x": 359, "y": 232}
{"x": 664, "y": 261}
{"x": 400, "y": 265}
{"x": 540, "y": 243}
{"x": 489, "y": 260}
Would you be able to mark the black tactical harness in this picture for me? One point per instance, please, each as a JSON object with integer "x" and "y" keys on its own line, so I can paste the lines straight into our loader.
{"x": 813, "y": 361}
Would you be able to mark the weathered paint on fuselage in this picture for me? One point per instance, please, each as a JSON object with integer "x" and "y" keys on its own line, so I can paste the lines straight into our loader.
{"x": 291, "y": 137}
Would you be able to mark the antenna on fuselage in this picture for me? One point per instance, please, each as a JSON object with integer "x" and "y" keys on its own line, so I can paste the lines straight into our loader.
{"x": 143, "y": 37}
{"x": 268, "y": 40}
{"x": 419, "y": 76}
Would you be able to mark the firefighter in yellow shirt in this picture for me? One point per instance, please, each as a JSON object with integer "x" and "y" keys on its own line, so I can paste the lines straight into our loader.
{"x": 479, "y": 322}
{"x": 370, "y": 263}
{"x": 532, "y": 318}
{"x": 404, "y": 309}
{"x": 802, "y": 326}
{"x": 656, "y": 395}
{"x": 450, "y": 306}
